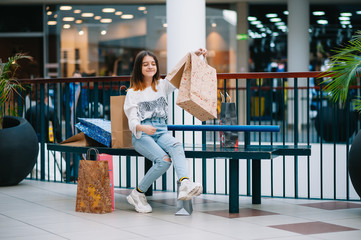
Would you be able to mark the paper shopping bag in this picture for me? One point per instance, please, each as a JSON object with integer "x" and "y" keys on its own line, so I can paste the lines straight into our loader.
{"x": 228, "y": 116}
{"x": 93, "y": 191}
{"x": 81, "y": 140}
{"x": 109, "y": 159}
{"x": 197, "y": 84}
{"x": 121, "y": 135}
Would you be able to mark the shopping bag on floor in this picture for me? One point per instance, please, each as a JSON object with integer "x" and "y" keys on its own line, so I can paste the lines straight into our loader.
{"x": 121, "y": 135}
{"x": 197, "y": 84}
{"x": 109, "y": 159}
{"x": 93, "y": 191}
{"x": 228, "y": 116}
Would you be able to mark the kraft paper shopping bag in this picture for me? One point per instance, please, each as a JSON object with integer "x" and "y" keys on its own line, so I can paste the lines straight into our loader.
{"x": 197, "y": 84}
{"x": 121, "y": 135}
{"x": 93, "y": 190}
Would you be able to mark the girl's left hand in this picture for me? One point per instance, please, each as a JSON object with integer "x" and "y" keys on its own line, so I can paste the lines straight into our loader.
{"x": 201, "y": 51}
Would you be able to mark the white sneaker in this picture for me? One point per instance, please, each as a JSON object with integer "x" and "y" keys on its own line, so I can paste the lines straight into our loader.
{"x": 139, "y": 201}
{"x": 189, "y": 189}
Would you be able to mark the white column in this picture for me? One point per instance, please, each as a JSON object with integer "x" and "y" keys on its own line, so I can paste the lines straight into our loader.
{"x": 298, "y": 52}
{"x": 186, "y": 29}
{"x": 186, "y": 32}
{"x": 298, "y": 35}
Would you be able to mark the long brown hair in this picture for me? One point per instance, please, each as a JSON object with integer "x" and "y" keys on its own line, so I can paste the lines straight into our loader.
{"x": 136, "y": 80}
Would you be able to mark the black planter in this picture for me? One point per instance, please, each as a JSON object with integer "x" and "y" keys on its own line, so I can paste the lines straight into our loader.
{"x": 333, "y": 123}
{"x": 354, "y": 163}
{"x": 18, "y": 150}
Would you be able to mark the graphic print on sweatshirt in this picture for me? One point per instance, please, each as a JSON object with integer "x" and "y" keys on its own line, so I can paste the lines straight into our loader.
{"x": 156, "y": 108}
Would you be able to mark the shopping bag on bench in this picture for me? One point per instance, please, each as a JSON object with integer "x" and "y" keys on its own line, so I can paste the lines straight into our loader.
{"x": 93, "y": 191}
{"x": 121, "y": 135}
{"x": 197, "y": 85}
{"x": 228, "y": 116}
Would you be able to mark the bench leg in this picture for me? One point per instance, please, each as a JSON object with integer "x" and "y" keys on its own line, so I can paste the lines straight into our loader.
{"x": 184, "y": 208}
{"x": 147, "y": 165}
{"x": 256, "y": 181}
{"x": 233, "y": 186}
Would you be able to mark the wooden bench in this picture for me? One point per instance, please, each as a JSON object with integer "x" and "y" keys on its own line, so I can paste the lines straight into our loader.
{"x": 253, "y": 152}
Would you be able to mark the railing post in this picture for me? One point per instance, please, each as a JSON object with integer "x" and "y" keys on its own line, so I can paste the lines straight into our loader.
{"x": 42, "y": 132}
{"x": 296, "y": 133}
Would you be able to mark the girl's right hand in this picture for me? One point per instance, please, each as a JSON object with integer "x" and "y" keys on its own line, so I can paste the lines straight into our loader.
{"x": 148, "y": 129}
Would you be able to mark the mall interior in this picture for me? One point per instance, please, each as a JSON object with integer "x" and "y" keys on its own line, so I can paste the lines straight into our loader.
{"x": 303, "y": 198}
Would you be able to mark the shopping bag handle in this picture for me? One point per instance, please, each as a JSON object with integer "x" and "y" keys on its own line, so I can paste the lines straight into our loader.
{"x": 222, "y": 96}
{"x": 88, "y": 152}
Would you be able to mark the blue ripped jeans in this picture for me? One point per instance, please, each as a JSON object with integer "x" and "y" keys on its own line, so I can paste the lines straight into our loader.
{"x": 158, "y": 148}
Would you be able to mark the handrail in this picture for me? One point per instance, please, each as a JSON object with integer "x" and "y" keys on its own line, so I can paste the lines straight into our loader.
{"x": 249, "y": 75}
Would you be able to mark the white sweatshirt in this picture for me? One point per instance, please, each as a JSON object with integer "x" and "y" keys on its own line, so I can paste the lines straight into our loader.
{"x": 141, "y": 105}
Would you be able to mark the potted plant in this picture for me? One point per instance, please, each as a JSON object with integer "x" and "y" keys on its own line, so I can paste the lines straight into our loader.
{"x": 345, "y": 68}
{"x": 18, "y": 141}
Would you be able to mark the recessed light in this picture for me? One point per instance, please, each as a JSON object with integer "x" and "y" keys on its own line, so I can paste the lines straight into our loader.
{"x": 286, "y": 12}
{"x": 51, "y": 22}
{"x": 142, "y": 8}
{"x": 65, "y": 8}
{"x": 344, "y": 18}
{"x": 346, "y": 14}
{"x": 97, "y": 17}
{"x": 127, "y": 16}
{"x": 87, "y": 14}
{"x": 271, "y": 15}
{"x": 345, "y": 22}
{"x": 66, "y": 26}
{"x": 49, "y": 13}
{"x": 275, "y": 19}
{"x": 318, "y": 13}
{"x": 103, "y": 32}
{"x": 77, "y": 11}
{"x": 165, "y": 25}
{"x": 108, "y": 10}
{"x": 322, "y": 22}
{"x": 118, "y": 13}
{"x": 250, "y": 18}
{"x": 68, "y": 19}
{"x": 78, "y": 21}
{"x": 106, "y": 20}
{"x": 255, "y": 22}
{"x": 358, "y": 12}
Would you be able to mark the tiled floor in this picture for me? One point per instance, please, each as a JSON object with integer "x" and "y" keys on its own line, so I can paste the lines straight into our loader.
{"x": 43, "y": 210}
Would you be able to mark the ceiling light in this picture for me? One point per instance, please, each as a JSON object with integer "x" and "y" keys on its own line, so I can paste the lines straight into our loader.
{"x": 255, "y": 22}
{"x": 318, "y": 13}
{"x": 106, "y": 20}
{"x": 285, "y": 12}
{"x": 145, "y": 12}
{"x": 127, "y": 16}
{"x": 279, "y": 23}
{"x": 118, "y": 13}
{"x": 322, "y": 22}
{"x": 77, "y": 11}
{"x": 346, "y": 14}
{"x": 55, "y": 15}
{"x": 142, "y": 8}
{"x": 275, "y": 34}
{"x": 214, "y": 24}
{"x": 51, "y": 22}
{"x": 66, "y": 26}
{"x": 282, "y": 27}
{"x": 250, "y": 18}
{"x": 345, "y": 22}
{"x": 87, "y": 14}
{"x": 49, "y": 13}
{"x": 344, "y": 18}
{"x": 103, "y": 32}
{"x": 275, "y": 19}
{"x": 78, "y": 21}
{"x": 271, "y": 15}
{"x": 358, "y": 12}
{"x": 165, "y": 25}
{"x": 108, "y": 10}
{"x": 259, "y": 26}
{"x": 68, "y": 19}
{"x": 97, "y": 17}
{"x": 65, "y": 8}
{"x": 81, "y": 32}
